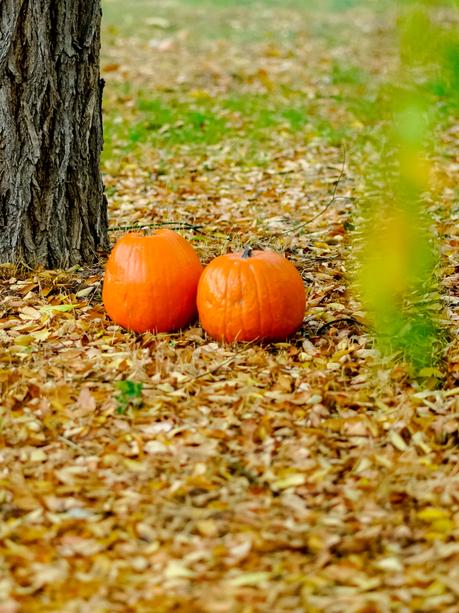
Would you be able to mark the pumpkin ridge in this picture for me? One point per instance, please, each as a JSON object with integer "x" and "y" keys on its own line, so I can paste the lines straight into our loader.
{"x": 299, "y": 278}
{"x": 258, "y": 297}
{"x": 241, "y": 300}
{"x": 167, "y": 282}
{"x": 263, "y": 273}
{"x": 152, "y": 275}
{"x": 282, "y": 301}
{"x": 225, "y": 304}
{"x": 133, "y": 261}
{"x": 181, "y": 252}
{"x": 236, "y": 318}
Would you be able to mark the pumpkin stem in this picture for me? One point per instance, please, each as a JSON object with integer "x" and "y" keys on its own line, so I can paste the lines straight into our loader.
{"x": 247, "y": 253}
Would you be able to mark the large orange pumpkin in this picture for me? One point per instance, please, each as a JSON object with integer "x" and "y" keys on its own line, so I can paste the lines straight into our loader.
{"x": 251, "y": 295}
{"x": 151, "y": 281}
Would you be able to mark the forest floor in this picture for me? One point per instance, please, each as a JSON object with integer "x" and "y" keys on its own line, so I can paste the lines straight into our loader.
{"x": 311, "y": 475}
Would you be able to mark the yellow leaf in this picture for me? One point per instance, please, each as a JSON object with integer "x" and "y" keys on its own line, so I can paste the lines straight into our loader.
{"x": 24, "y": 340}
{"x": 57, "y": 308}
{"x": 431, "y": 372}
{"x": 431, "y": 514}
{"x": 443, "y": 525}
{"x": 176, "y": 570}
{"x": 250, "y": 579}
{"x": 207, "y": 527}
{"x": 289, "y": 481}
{"x": 40, "y": 335}
{"x": 85, "y": 291}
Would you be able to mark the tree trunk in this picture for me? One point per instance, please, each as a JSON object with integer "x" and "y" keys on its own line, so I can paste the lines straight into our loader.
{"x": 52, "y": 206}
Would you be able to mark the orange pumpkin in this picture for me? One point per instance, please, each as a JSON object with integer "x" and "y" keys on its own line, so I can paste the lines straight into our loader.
{"x": 151, "y": 281}
{"x": 251, "y": 295}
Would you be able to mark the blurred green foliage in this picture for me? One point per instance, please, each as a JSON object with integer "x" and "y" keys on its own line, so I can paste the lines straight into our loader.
{"x": 398, "y": 259}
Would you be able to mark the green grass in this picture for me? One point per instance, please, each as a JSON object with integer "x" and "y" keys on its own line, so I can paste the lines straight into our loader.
{"x": 254, "y": 119}
{"x": 348, "y": 74}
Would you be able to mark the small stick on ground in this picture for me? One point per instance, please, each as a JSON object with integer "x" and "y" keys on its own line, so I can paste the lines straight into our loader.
{"x": 329, "y": 203}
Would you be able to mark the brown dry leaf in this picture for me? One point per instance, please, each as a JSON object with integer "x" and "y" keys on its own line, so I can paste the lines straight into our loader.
{"x": 86, "y": 402}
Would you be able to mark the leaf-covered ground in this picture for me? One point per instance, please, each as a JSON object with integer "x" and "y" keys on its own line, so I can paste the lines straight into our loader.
{"x": 165, "y": 473}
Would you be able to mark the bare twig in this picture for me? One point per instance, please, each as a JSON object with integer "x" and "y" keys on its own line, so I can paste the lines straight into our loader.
{"x": 179, "y": 225}
{"x": 72, "y": 444}
{"x": 225, "y": 362}
{"x": 329, "y": 203}
{"x": 349, "y": 320}
{"x": 212, "y": 370}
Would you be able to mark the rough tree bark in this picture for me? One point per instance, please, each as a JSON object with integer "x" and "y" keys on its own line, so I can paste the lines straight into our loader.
{"x": 52, "y": 205}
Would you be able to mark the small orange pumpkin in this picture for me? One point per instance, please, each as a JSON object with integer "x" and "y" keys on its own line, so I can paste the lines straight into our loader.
{"x": 251, "y": 295}
{"x": 151, "y": 281}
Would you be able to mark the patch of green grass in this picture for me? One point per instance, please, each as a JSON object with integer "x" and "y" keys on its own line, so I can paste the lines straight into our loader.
{"x": 346, "y": 74}
{"x": 176, "y": 123}
{"x": 259, "y": 113}
{"x": 130, "y": 396}
{"x": 170, "y": 122}
{"x": 366, "y": 108}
